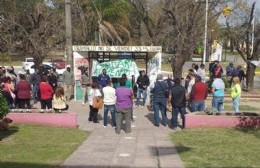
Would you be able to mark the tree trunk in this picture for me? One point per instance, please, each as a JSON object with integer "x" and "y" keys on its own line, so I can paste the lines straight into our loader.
{"x": 177, "y": 65}
{"x": 250, "y": 76}
{"x": 231, "y": 45}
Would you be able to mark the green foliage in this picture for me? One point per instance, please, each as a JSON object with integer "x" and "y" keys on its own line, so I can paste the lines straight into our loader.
{"x": 38, "y": 146}
{"x": 218, "y": 147}
{"x": 3, "y": 107}
{"x": 5, "y": 57}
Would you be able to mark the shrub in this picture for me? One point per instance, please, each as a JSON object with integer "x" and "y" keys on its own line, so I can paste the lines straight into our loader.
{"x": 3, "y": 107}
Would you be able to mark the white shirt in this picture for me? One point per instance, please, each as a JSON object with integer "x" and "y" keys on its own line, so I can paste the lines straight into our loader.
{"x": 191, "y": 83}
{"x": 201, "y": 73}
{"x": 93, "y": 93}
{"x": 109, "y": 95}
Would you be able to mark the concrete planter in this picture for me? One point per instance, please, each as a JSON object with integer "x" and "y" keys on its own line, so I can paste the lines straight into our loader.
{"x": 226, "y": 120}
{"x": 48, "y": 119}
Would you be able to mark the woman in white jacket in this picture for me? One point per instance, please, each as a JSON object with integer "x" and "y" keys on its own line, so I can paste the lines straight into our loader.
{"x": 93, "y": 113}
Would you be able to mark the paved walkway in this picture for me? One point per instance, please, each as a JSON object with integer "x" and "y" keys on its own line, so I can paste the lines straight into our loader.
{"x": 145, "y": 147}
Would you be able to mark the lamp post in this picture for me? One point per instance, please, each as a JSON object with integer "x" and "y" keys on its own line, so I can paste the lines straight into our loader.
{"x": 205, "y": 35}
{"x": 68, "y": 50}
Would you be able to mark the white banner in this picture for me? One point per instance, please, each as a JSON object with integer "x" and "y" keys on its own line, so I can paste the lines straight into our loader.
{"x": 115, "y": 69}
{"x": 154, "y": 67}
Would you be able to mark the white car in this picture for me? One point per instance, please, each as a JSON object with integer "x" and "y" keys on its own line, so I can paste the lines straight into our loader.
{"x": 46, "y": 66}
{"x": 27, "y": 63}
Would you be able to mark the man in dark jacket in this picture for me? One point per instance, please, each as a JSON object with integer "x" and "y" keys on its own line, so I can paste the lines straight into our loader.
{"x": 178, "y": 103}
{"x": 143, "y": 82}
{"x": 35, "y": 80}
{"x": 161, "y": 94}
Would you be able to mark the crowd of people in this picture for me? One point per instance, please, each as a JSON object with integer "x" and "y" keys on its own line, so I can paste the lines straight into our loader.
{"x": 19, "y": 89}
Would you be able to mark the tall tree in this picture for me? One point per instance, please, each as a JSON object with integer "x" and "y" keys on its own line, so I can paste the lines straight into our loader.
{"x": 181, "y": 26}
{"x": 243, "y": 32}
{"x": 113, "y": 21}
{"x": 33, "y": 25}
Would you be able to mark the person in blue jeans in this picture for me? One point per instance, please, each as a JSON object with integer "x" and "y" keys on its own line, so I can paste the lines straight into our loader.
{"x": 143, "y": 82}
{"x": 178, "y": 100}
{"x": 217, "y": 88}
{"x": 160, "y": 100}
{"x": 109, "y": 103}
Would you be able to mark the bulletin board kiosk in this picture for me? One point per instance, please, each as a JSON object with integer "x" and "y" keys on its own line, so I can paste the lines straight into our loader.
{"x": 117, "y": 60}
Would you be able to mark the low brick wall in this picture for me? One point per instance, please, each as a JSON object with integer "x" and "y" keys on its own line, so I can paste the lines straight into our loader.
{"x": 199, "y": 121}
{"x": 48, "y": 119}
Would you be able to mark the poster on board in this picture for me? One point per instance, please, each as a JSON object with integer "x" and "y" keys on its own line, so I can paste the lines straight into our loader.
{"x": 116, "y": 68}
{"x": 81, "y": 64}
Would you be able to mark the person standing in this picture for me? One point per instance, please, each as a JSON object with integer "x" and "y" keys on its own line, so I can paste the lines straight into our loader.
{"x": 170, "y": 84}
{"x": 53, "y": 81}
{"x": 161, "y": 94}
{"x": 178, "y": 100}
{"x": 24, "y": 92}
{"x": 93, "y": 113}
{"x": 124, "y": 104}
{"x": 46, "y": 93}
{"x": 217, "y": 88}
{"x": 143, "y": 82}
{"x": 236, "y": 93}
{"x": 7, "y": 96}
{"x": 198, "y": 95}
{"x": 68, "y": 81}
{"x": 128, "y": 84}
{"x": 109, "y": 103}
{"x": 103, "y": 78}
{"x": 35, "y": 80}
{"x": 85, "y": 86}
{"x": 218, "y": 71}
{"x": 201, "y": 72}
{"x": 229, "y": 72}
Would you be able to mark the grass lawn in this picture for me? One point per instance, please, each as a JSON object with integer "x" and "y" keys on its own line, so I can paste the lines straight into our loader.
{"x": 218, "y": 147}
{"x": 38, "y": 146}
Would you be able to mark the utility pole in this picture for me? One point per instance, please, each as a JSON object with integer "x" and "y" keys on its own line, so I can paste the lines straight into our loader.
{"x": 205, "y": 35}
{"x": 68, "y": 50}
{"x": 253, "y": 31}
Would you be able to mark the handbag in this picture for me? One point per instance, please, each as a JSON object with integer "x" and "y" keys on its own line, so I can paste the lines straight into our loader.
{"x": 98, "y": 103}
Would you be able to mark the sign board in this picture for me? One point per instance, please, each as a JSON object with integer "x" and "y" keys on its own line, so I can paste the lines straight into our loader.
{"x": 119, "y": 48}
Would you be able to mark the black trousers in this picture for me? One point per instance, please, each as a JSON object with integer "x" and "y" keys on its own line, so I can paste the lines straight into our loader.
{"x": 93, "y": 114}
{"x": 46, "y": 103}
{"x": 23, "y": 102}
{"x": 64, "y": 109}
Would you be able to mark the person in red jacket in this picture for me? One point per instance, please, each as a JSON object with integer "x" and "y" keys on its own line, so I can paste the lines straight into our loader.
{"x": 46, "y": 93}
{"x": 24, "y": 92}
{"x": 198, "y": 95}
